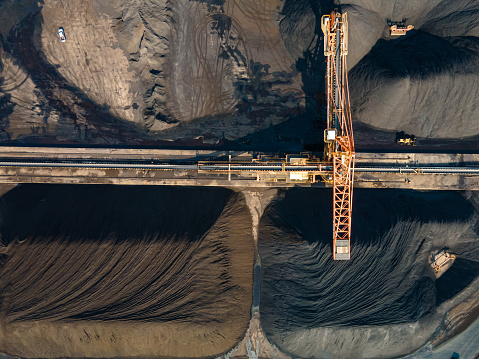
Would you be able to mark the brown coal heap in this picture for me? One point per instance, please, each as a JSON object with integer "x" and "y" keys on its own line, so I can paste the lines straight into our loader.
{"x": 89, "y": 257}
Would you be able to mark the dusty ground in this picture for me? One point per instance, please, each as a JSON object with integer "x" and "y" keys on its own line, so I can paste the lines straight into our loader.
{"x": 91, "y": 58}
{"x": 255, "y": 344}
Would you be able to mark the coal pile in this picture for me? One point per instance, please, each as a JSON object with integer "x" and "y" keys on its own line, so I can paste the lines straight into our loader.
{"x": 423, "y": 84}
{"x": 387, "y": 286}
{"x": 139, "y": 270}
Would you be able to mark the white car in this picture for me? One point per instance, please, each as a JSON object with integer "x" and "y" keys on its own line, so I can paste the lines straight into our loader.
{"x": 61, "y": 33}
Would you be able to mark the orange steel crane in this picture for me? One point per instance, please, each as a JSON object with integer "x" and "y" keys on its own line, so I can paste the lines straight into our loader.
{"x": 338, "y": 135}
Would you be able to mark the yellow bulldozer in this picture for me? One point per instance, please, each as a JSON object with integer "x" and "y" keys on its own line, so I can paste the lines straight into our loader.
{"x": 398, "y": 28}
{"x": 405, "y": 139}
{"x": 440, "y": 259}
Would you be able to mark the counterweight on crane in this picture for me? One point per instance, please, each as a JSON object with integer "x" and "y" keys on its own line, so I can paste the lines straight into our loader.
{"x": 338, "y": 135}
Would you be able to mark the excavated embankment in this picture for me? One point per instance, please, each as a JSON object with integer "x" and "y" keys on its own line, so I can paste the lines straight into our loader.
{"x": 250, "y": 73}
{"x": 386, "y": 299}
{"x": 124, "y": 271}
{"x": 138, "y": 70}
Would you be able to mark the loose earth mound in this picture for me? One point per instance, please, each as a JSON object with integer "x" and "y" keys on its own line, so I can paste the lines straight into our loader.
{"x": 112, "y": 272}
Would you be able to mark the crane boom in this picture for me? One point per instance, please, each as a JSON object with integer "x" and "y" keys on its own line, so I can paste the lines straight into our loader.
{"x": 338, "y": 135}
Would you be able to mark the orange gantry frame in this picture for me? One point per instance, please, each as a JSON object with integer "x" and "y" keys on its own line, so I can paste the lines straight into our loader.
{"x": 338, "y": 135}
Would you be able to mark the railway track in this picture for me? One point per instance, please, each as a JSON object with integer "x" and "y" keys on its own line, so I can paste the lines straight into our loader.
{"x": 225, "y": 167}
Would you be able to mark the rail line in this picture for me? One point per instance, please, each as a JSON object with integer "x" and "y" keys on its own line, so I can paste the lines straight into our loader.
{"x": 238, "y": 168}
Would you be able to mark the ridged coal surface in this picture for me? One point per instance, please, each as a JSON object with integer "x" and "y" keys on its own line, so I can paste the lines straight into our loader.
{"x": 388, "y": 279}
{"x": 104, "y": 254}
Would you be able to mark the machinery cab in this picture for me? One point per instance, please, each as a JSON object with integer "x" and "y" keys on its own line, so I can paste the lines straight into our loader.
{"x": 329, "y": 135}
{"x": 341, "y": 250}
{"x": 405, "y": 139}
{"x": 399, "y": 28}
{"x": 441, "y": 259}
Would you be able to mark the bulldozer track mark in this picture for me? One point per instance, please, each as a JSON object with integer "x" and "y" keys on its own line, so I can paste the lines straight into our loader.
{"x": 212, "y": 95}
{"x": 13, "y": 76}
{"x": 261, "y": 14}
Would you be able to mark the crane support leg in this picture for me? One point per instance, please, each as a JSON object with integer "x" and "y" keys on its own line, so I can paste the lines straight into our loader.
{"x": 343, "y": 173}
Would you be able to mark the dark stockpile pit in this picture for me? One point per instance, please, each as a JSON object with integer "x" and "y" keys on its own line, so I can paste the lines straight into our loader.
{"x": 124, "y": 271}
{"x": 386, "y": 299}
{"x": 425, "y": 82}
